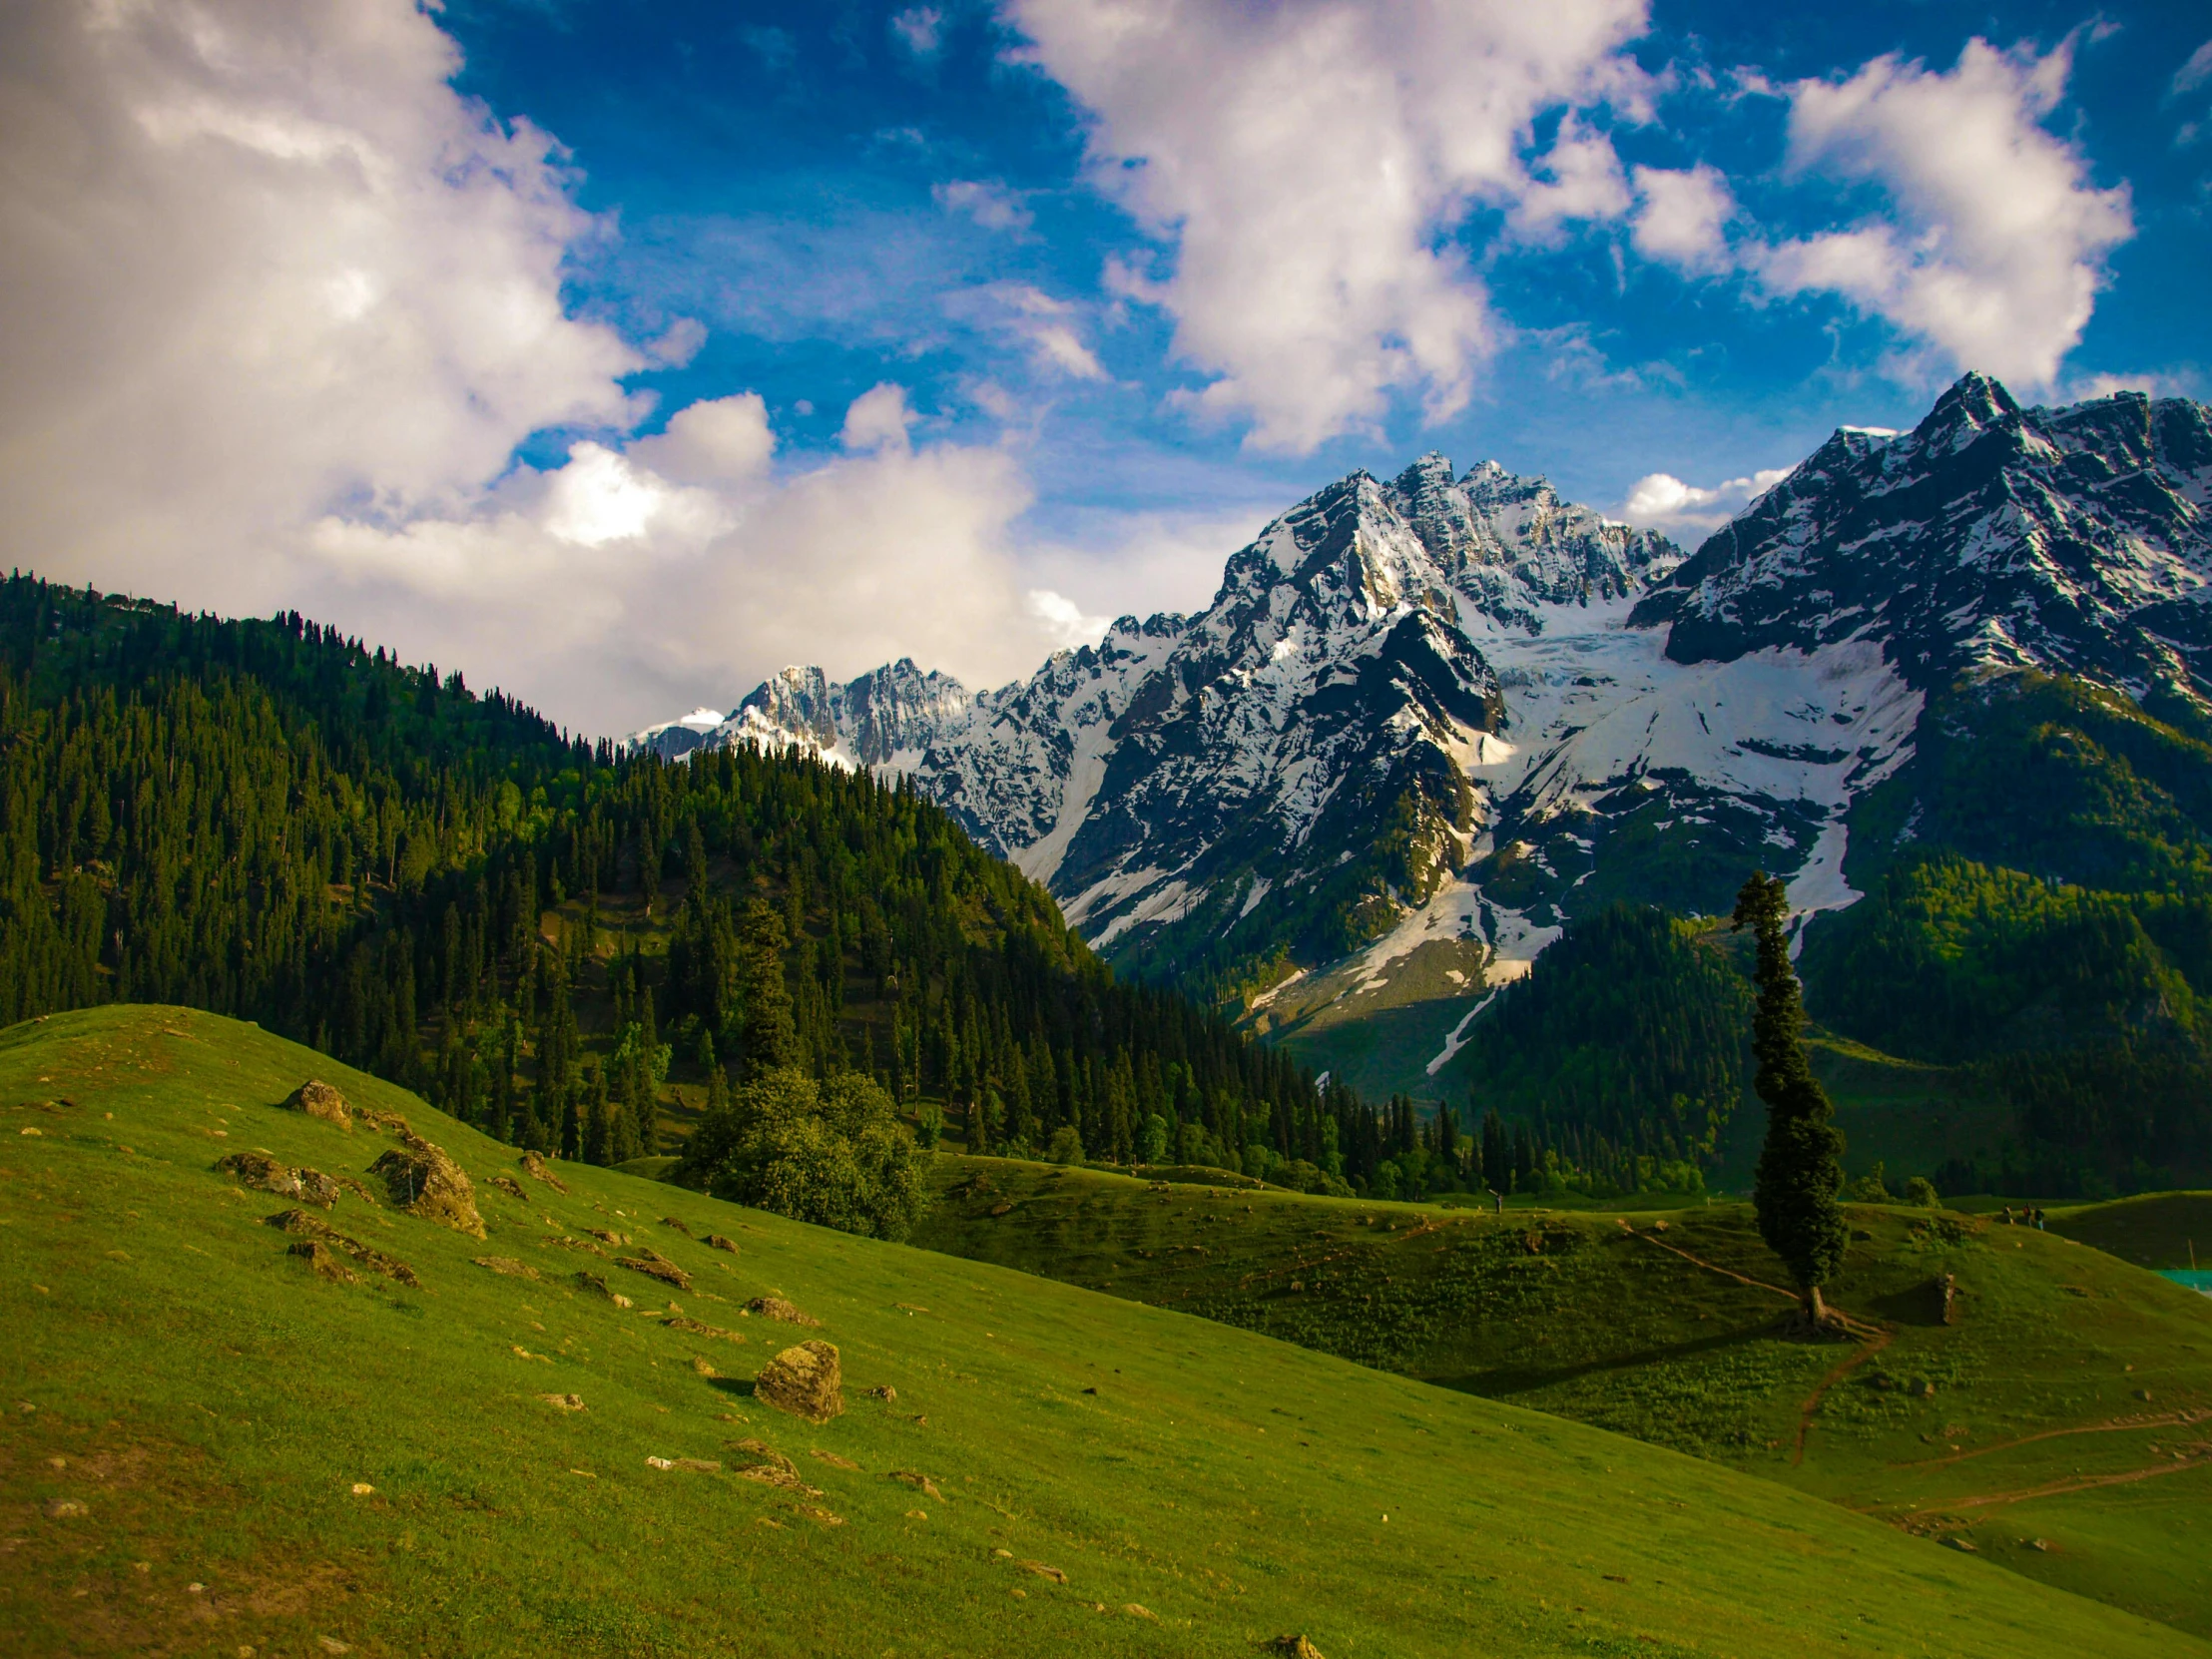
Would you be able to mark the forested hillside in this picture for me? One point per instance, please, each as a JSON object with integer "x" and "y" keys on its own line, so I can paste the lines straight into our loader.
{"x": 265, "y": 819}
{"x": 2039, "y": 912}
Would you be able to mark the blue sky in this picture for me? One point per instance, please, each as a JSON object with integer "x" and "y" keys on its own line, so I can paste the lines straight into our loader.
{"x": 993, "y": 321}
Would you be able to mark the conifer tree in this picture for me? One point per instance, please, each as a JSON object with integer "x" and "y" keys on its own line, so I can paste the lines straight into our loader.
{"x": 1801, "y": 1166}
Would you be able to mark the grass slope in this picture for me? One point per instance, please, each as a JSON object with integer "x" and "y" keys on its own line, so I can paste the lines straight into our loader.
{"x": 2023, "y": 1421}
{"x": 266, "y": 1460}
{"x": 2152, "y": 1230}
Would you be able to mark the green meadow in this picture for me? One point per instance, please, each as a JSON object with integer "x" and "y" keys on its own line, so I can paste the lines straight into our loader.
{"x": 210, "y": 1449}
{"x": 2057, "y": 1424}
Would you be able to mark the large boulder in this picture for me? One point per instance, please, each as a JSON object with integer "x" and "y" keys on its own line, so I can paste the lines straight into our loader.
{"x": 804, "y": 1381}
{"x": 318, "y": 1100}
{"x": 424, "y": 1182}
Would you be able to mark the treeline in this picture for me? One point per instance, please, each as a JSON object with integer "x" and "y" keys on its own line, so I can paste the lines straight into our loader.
{"x": 266, "y": 819}
{"x": 1624, "y": 1056}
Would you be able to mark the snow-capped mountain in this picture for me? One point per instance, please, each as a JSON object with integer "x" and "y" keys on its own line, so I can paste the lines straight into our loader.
{"x": 1424, "y": 721}
{"x": 2075, "y": 539}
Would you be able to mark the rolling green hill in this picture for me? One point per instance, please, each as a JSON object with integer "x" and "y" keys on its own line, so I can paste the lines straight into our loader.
{"x": 2065, "y": 1404}
{"x": 209, "y": 1447}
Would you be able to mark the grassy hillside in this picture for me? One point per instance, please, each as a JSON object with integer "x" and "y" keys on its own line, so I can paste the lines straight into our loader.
{"x": 208, "y": 1449}
{"x": 2063, "y": 1405}
{"x": 2153, "y": 1230}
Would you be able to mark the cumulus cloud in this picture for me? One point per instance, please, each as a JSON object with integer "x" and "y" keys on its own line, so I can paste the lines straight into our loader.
{"x": 1993, "y": 250}
{"x": 276, "y": 306}
{"x": 1661, "y": 502}
{"x": 256, "y": 258}
{"x": 1682, "y": 219}
{"x": 1578, "y": 179}
{"x": 989, "y": 204}
{"x": 1308, "y": 161}
{"x": 878, "y": 418}
{"x": 685, "y": 563}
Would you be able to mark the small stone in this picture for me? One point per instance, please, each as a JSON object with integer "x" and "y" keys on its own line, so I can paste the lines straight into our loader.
{"x": 776, "y": 1308}
{"x": 330, "y": 1644}
{"x": 1137, "y": 1610}
{"x": 64, "y": 1509}
{"x": 883, "y": 1390}
{"x": 564, "y": 1402}
{"x": 534, "y": 1166}
{"x": 715, "y": 1240}
{"x": 1043, "y": 1571}
{"x": 362, "y": 1489}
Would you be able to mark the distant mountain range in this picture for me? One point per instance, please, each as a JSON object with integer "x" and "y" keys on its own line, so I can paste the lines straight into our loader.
{"x": 1427, "y": 722}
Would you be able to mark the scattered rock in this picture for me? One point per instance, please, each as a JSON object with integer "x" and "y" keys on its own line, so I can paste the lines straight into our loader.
{"x": 763, "y": 1464}
{"x": 330, "y": 1644}
{"x": 654, "y": 1265}
{"x": 697, "y": 1465}
{"x": 507, "y": 1265}
{"x": 534, "y": 1166}
{"x": 820, "y": 1518}
{"x": 2041, "y": 1546}
{"x": 300, "y": 1225}
{"x": 325, "y": 1262}
{"x": 1002, "y": 1209}
{"x": 1532, "y": 1244}
{"x": 362, "y": 1489}
{"x": 715, "y": 1240}
{"x": 318, "y": 1100}
{"x": 566, "y": 1402}
{"x": 424, "y": 1182}
{"x": 2142, "y": 1393}
{"x": 266, "y": 1174}
{"x": 391, "y": 1122}
{"x": 1294, "y": 1647}
{"x": 358, "y": 1190}
{"x": 804, "y": 1381}
{"x": 700, "y": 1327}
{"x": 671, "y": 1221}
{"x": 63, "y": 1508}
{"x": 659, "y": 1463}
{"x": 1138, "y": 1611}
{"x": 1043, "y": 1571}
{"x": 776, "y": 1308}
{"x": 832, "y": 1459}
{"x": 599, "y": 1287}
{"x": 1967, "y": 1545}
{"x": 586, "y": 1245}
{"x": 510, "y": 1186}
{"x": 920, "y": 1483}
{"x": 605, "y": 1237}
{"x": 704, "y": 1367}
{"x": 883, "y": 1390}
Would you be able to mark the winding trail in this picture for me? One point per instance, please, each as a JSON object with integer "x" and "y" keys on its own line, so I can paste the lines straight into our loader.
{"x": 1873, "y": 1338}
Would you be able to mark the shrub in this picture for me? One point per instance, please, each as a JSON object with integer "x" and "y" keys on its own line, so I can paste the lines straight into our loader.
{"x": 1921, "y": 1191}
{"x": 833, "y": 1154}
{"x": 1066, "y": 1147}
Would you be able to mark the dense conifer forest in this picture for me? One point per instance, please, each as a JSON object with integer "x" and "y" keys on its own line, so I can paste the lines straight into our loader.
{"x": 266, "y": 819}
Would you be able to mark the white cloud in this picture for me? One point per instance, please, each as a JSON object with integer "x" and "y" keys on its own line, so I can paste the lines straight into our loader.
{"x": 1046, "y": 327}
{"x": 2164, "y": 382}
{"x": 622, "y": 592}
{"x": 1065, "y": 619}
{"x": 1682, "y": 219}
{"x": 878, "y": 418}
{"x": 1308, "y": 161}
{"x": 989, "y": 204}
{"x": 277, "y": 308}
{"x": 1661, "y": 502}
{"x": 920, "y": 29}
{"x": 2196, "y": 72}
{"x": 258, "y": 259}
{"x": 1581, "y": 181}
{"x": 1995, "y": 248}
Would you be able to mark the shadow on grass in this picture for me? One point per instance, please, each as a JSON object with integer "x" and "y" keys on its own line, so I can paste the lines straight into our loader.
{"x": 1504, "y": 1383}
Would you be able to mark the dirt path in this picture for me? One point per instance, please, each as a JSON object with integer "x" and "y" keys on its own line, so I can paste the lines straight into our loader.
{"x": 1873, "y": 1338}
{"x": 2182, "y": 1420}
{"x": 2086, "y": 1482}
{"x": 1874, "y": 1345}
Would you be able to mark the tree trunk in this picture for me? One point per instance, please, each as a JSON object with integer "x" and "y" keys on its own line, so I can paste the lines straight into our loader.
{"x": 1816, "y": 1311}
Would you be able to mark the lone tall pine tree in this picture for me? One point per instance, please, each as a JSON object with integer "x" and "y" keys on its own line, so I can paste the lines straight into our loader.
{"x": 1800, "y": 1168}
